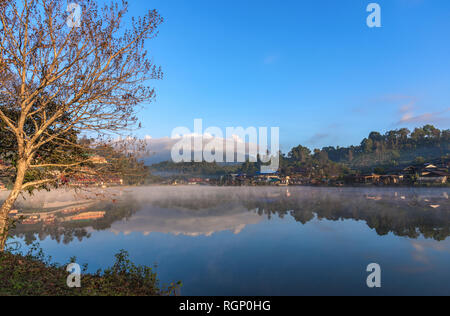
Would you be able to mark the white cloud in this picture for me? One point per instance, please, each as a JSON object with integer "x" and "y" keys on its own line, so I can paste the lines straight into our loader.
{"x": 409, "y": 116}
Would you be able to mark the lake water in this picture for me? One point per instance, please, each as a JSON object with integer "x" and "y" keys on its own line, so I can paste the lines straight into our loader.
{"x": 261, "y": 241}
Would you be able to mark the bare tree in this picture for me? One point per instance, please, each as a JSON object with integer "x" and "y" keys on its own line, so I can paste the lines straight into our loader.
{"x": 60, "y": 77}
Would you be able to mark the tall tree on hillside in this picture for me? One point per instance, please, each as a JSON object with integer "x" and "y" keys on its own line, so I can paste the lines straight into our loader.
{"x": 66, "y": 71}
{"x": 299, "y": 153}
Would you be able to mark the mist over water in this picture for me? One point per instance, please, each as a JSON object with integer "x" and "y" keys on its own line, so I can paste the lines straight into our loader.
{"x": 259, "y": 240}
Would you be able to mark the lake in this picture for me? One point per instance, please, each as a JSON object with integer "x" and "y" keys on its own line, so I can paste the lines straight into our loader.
{"x": 256, "y": 240}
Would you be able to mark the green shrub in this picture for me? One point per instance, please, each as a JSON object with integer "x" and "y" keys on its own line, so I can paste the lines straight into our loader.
{"x": 34, "y": 274}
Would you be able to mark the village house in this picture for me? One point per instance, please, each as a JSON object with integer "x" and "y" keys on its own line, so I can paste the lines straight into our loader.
{"x": 285, "y": 181}
{"x": 427, "y": 173}
{"x": 194, "y": 181}
{"x": 392, "y": 179}
{"x": 433, "y": 176}
{"x": 363, "y": 179}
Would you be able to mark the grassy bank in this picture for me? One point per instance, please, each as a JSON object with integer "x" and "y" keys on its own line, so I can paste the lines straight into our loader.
{"x": 33, "y": 274}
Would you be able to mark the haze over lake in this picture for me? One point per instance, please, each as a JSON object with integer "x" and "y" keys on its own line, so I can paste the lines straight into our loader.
{"x": 258, "y": 240}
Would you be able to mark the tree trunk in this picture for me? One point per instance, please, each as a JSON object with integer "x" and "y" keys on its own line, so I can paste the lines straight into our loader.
{"x": 9, "y": 202}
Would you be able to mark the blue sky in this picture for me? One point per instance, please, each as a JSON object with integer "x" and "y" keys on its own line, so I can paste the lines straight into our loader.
{"x": 311, "y": 67}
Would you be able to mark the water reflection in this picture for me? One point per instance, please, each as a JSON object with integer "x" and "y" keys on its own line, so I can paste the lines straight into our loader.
{"x": 410, "y": 213}
{"x": 203, "y": 211}
{"x": 65, "y": 216}
{"x": 255, "y": 241}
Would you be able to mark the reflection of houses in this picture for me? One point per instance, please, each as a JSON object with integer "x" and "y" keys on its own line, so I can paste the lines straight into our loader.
{"x": 49, "y": 215}
{"x": 86, "y": 216}
{"x": 73, "y": 210}
{"x": 30, "y": 221}
{"x": 49, "y": 218}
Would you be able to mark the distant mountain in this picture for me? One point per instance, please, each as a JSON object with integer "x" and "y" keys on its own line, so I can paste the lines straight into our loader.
{"x": 159, "y": 149}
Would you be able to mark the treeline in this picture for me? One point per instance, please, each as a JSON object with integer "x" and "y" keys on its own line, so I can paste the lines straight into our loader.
{"x": 300, "y": 160}
{"x": 409, "y": 217}
{"x": 376, "y": 153}
{"x": 394, "y": 148}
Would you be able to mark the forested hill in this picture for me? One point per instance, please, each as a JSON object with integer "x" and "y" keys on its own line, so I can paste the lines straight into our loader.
{"x": 377, "y": 153}
{"x": 394, "y": 148}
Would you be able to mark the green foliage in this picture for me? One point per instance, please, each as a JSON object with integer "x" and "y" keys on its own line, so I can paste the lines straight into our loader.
{"x": 419, "y": 160}
{"x": 394, "y": 148}
{"x": 33, "y": 274}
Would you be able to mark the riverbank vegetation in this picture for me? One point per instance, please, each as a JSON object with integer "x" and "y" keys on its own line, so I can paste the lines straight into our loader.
{"x": 33, "y": 274}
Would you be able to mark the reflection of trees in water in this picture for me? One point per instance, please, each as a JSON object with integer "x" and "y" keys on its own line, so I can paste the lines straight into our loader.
{"x": 411, "y": 217}
{"x": 195, "y": 202}
{"x": 384, "y": 211}
{"x": 60, "y": 234}
{"x": 190, "y": 204}
{"x": 405, "y": 213}
{"x": 66, "y": 232}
